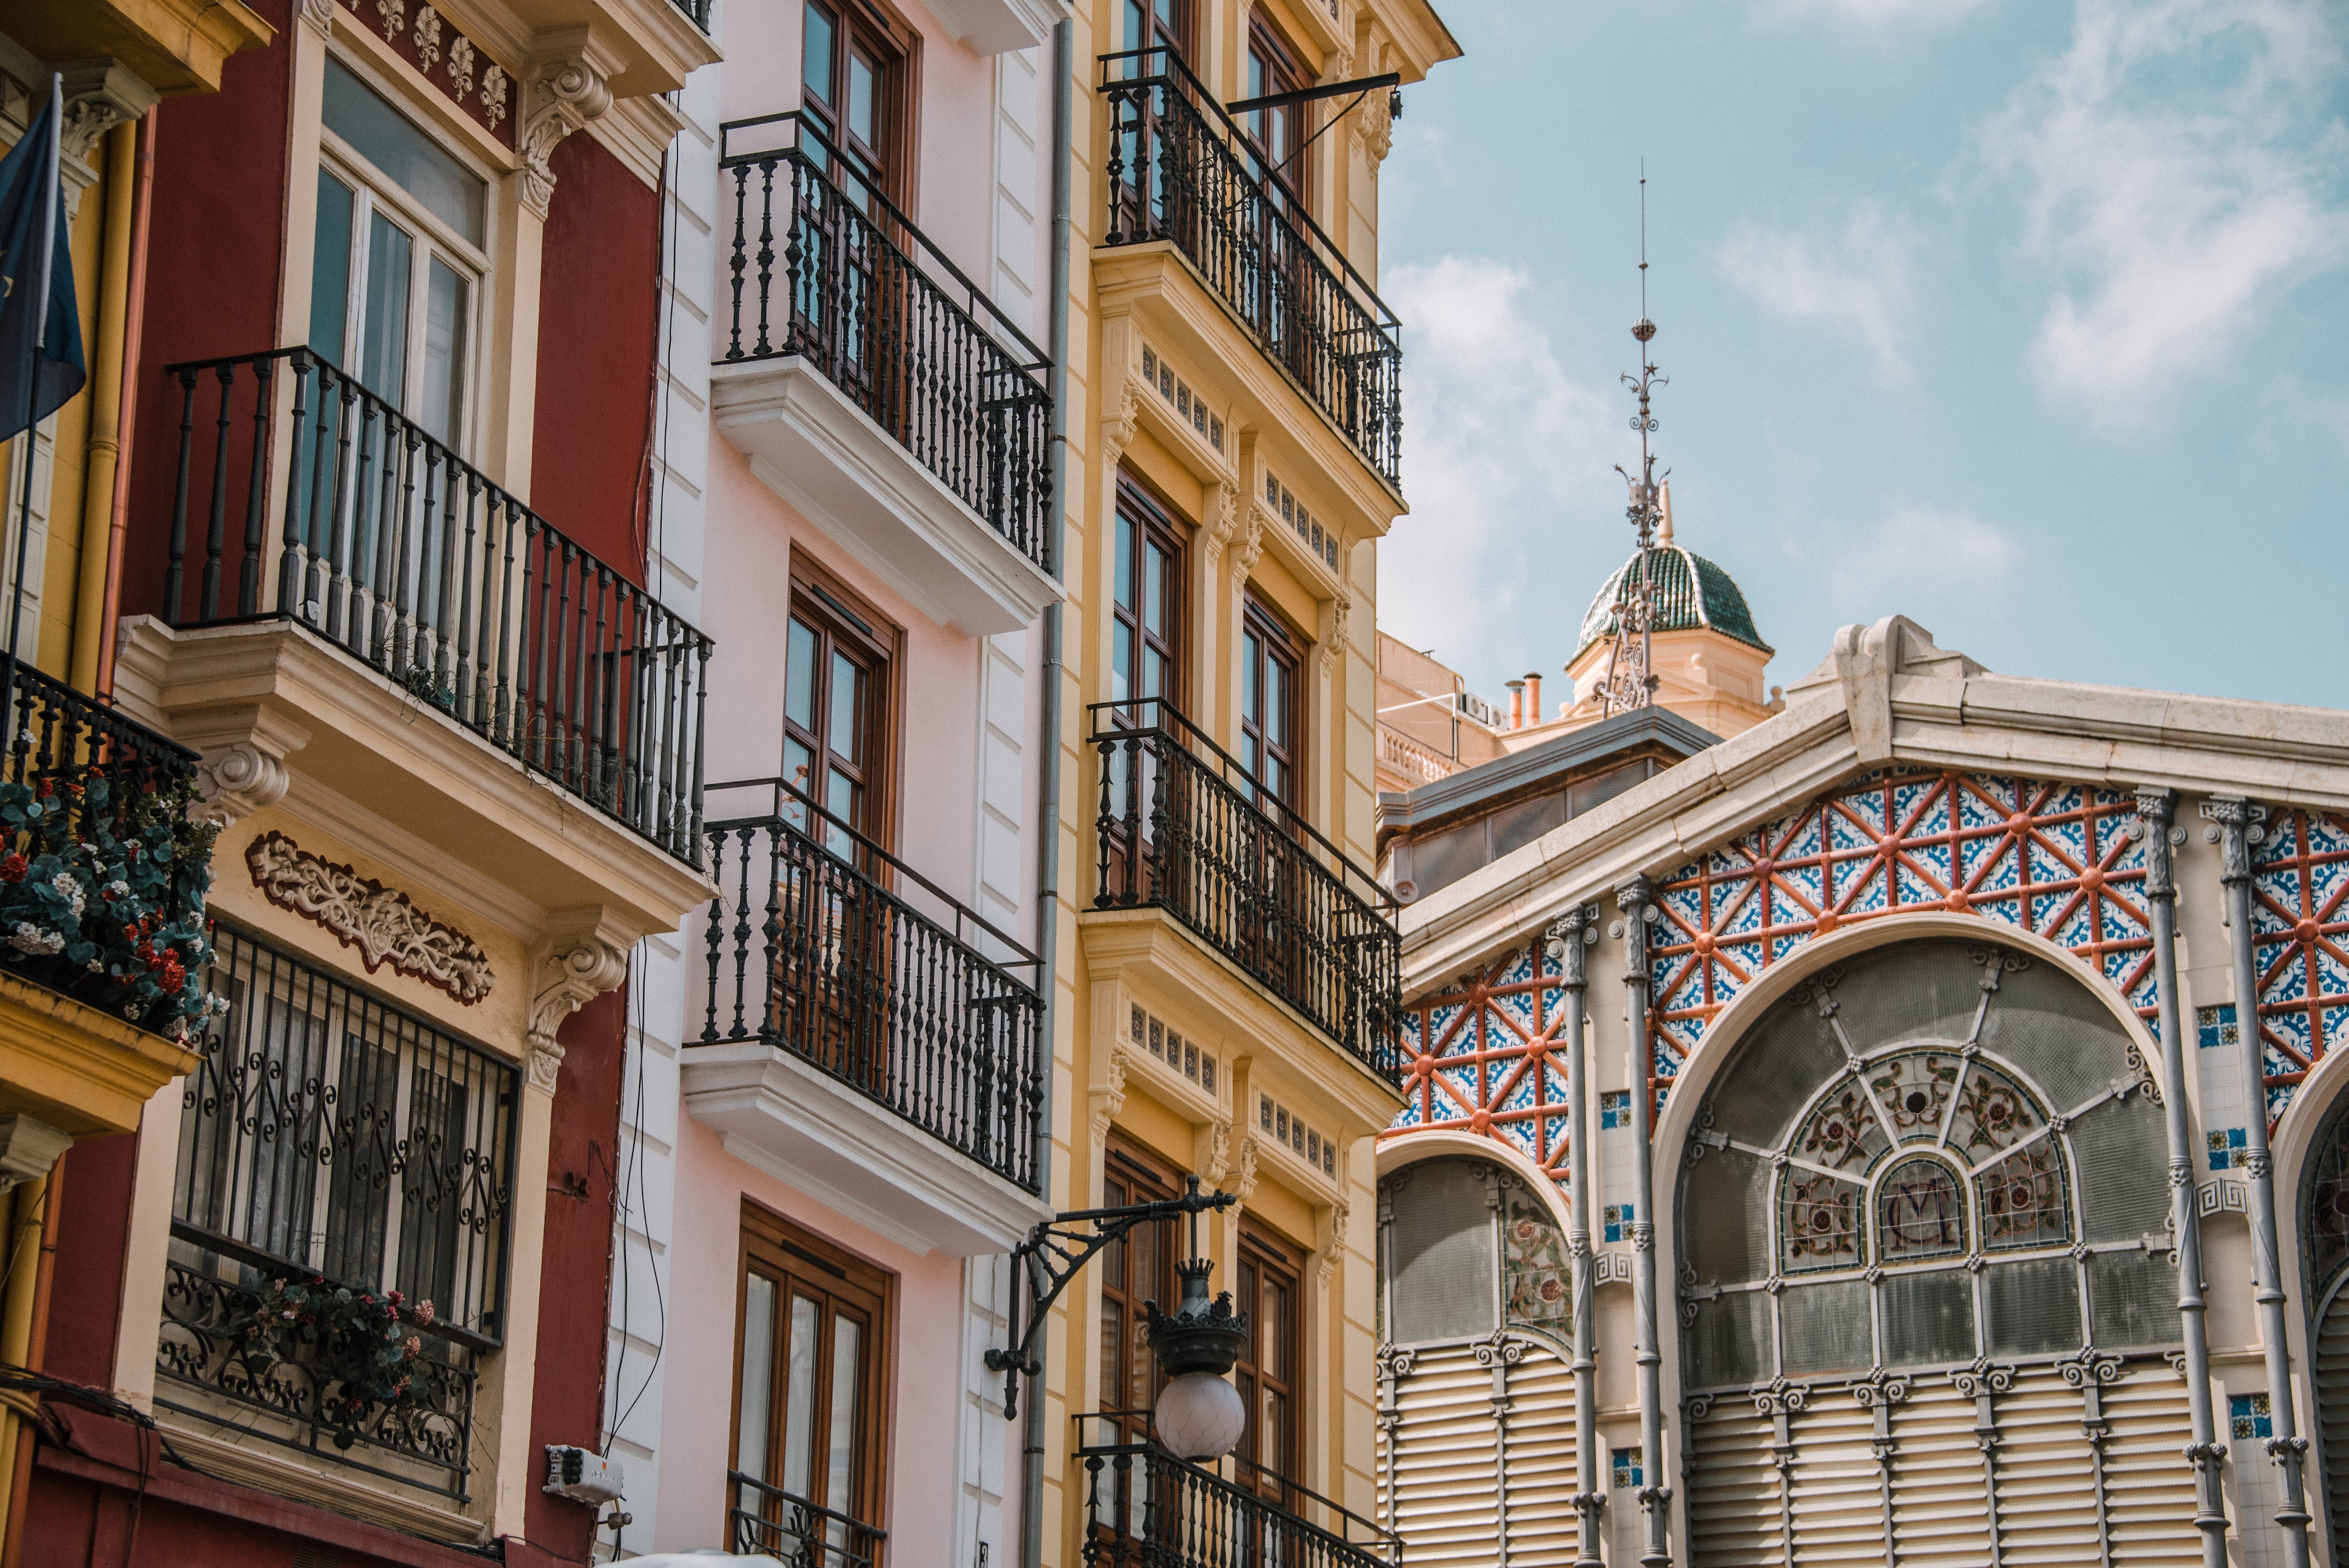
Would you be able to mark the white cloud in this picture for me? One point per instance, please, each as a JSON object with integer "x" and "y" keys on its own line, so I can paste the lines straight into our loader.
{"x": 2182, "y": 168}
{"x": 1882, "y": 570}
{"x": 1858, "y": 287}
{"x": 1501, "y": 447}
{"x": 1875, "y": 13}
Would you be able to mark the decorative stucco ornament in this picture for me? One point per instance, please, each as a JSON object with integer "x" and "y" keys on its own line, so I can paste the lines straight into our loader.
{"x": 384, "y": 925}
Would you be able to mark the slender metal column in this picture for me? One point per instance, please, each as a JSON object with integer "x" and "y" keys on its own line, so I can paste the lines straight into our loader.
{"x": 1569, "y": 935}
{"x": 2155, "y": 809}
{"x": 1635, "y": 897}
{"x": 2235, "y": 816}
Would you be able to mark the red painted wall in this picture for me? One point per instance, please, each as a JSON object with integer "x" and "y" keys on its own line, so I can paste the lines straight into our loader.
{"x": 216, "y": 225}
{"x": 599, "y": 334}
{"x": 91, "y": 1246}
{"x": 568, "y": 1398}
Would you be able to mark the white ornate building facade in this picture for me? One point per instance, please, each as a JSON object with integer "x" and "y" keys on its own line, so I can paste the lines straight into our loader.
{"x": 1843, "y": 1145}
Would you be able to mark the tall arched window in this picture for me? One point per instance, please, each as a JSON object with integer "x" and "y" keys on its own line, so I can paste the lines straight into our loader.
{"x": 1923, "y": 1215}
{"x": 2324, "y": 1263}
{"x": 1476, "y": 1309}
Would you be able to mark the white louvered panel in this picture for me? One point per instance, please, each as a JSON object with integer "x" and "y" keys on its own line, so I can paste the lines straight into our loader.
{"x": 2331, "y": 1411}
{"x": 2046, "y": 1474}
{"x": 2148, "y": 1484}
{"x": 1938, "y": 1512}
{"x": 1733, "y": 1489}
{"x": 1541, "y": 1461}
{"x": 1837, "y": 1487}
{"x": 1442, "y": 1460}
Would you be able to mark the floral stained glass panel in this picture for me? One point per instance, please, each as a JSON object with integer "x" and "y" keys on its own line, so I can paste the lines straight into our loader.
{"x": 1539, "y": 1286}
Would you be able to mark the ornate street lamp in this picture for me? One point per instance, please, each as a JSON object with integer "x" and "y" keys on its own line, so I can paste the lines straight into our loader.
{"x": 1200, "y": 1416}
{"x": 1196, "y": 1343}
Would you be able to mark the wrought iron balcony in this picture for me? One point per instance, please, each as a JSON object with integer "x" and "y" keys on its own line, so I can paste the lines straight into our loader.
{"x": 405, "y": 557}
{"x": 697, "y": 9}
{"x": 1184, "y": 827}
{"x": 819, "y": 945}
{"x": 1146, "y": 1508}
{"x": 766, "y": 1520}
{"x": 1180, "y": 169}
{"x": 864, "y": 297}
{"x": 329, "y": 1135}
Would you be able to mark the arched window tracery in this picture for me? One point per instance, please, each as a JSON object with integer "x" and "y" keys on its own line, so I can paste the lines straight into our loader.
{"x": 1925, "y": 1288}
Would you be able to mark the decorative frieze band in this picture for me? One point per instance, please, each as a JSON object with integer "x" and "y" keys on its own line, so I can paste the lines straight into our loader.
{"x": 385, "y": 926}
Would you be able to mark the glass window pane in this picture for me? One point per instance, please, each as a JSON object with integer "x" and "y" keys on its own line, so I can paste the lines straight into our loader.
{"x": 1125, "y": 562}
{"x": 799, "y": 678}
{"x": 407, "y": 155}
{"x": 860, "y": 100}
{"x": 330, "y": 268}
{"x": 817, "y": 71}
{"x": 1155, "y": 590}
{"x": 847, "y": 684}
{"x": 383, "y": 333}
{"x": 847, "y": 1377}
{"x": 757, "y": 1376}
{"x": 799, "y": 1397}
{"x": 1251, "y": 664}
{"x": 445, "y": 303}
{"x": 1120, "y": 662}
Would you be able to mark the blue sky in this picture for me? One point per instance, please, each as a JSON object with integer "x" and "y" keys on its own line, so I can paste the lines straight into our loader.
{"x": 2028, "y": 319}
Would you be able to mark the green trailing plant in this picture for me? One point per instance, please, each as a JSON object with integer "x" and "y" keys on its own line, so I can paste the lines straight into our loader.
{"x": 356, "y": 1345}
{"x": 102, "y": 885}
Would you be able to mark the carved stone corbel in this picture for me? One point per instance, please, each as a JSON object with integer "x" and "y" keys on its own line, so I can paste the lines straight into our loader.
{"x": 1224, "y": 526}
{"x": 561, "y": 93}
{"x": 98, "y": 95}
{"x": 1117, "y": 430}
{"x": 1250, "y": 548}
{"x": 1108, "y": 1097}
{"x": 1244, "y": 1184}
{"x": 1374, "y": 127}
{"x": 243, "y": 767}
{"x": 571, "y": 968}
{"x": 320, "y": 15}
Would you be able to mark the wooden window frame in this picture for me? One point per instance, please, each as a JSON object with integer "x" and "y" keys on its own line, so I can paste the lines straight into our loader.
{"x": 1183, "y": 37}
{"x": 1265, "y": 37}
{"x": 1155, "y": 523}
{"x": 1146, "y": 1178}
{"x": 1261, "y": 1249}
{"x": 788, "y": 1251}
{"x": 844, "y": 616}
{"x": 1280, "y": 643}
{"x": 896, "y": 45}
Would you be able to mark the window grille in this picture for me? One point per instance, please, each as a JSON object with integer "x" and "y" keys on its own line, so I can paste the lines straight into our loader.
{"x": 328, "y": 1133}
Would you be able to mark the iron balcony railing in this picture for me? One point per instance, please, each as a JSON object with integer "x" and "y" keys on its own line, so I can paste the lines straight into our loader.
{"x": 823, "y": 945}
{"x": 1146, "y": 1508}
{"x": 766, "y": 1520}
{"x": 409, "y": 559}
{"x": 697, "y": 9}
{"x": 865, "y": 298}
{"x": 1182, "y": 170}
{"x": 328, "y": 1134}
{"x": 1184, "y": 827}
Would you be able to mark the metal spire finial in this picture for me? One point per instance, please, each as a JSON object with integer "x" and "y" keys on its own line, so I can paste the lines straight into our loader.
{"x": 1631, "y": 683}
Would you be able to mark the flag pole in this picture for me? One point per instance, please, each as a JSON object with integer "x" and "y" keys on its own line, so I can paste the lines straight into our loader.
{"x": 46, "y": 243}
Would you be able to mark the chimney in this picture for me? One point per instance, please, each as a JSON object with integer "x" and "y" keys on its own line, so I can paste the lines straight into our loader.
{"x": 1664, "y": 535}
{"x": 1533, "y": 698}
{"x": 1517, "y": 705}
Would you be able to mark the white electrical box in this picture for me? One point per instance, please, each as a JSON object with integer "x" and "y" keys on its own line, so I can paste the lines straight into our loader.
{"x": 584, "y": 1477}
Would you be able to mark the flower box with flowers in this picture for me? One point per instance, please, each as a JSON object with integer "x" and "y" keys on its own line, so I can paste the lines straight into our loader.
{"x": 102, "y": 896}
{"x": 355, "y": 1344}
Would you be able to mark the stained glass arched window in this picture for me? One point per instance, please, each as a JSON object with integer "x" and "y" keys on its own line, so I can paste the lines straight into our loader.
{"x": 2324, "y": 1267}
{"x": 1464, "y": 1247}
{"x": 1937, "y": 1153}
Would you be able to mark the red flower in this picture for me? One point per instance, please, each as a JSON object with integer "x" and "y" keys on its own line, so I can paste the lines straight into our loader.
{"x": 14, "y": 868}
{"x": 173, "y": 977}
{"x": 46, "y": 789}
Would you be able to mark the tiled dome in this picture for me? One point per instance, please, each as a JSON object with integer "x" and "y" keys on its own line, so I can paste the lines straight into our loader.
{"x": 1690, "y": 593}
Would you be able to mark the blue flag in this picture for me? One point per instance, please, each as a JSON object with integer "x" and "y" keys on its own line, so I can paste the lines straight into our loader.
{"x": 40, "y": 328}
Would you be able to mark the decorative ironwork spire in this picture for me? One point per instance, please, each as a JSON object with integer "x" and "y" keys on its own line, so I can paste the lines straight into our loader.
{"x": 1630, "y": 682}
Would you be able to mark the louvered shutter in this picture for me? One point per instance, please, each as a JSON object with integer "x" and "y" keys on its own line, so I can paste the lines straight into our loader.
{"x": 1441, "y": 1455}
{"x": 1733, "y": 1489}
{"x": 2149, "y": 1483}
{"x": 1940, "y": 1515}
{"x": 2046, "y": 1495}
{"x": 2331, "y": 1409}
{"x": 1839, "y": 1490}
{"x": 1540, "y": 1459}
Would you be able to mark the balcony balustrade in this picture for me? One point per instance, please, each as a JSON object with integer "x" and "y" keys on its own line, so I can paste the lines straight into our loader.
{"x": 327, "y": 1135}
{"x": 819, "y": 945}
{"x": 407, "y": 558}
{"x": 1180, "y": 168}
{"x": 826, "y": 267}
{"x": 1146, "y": 1508}
{"x": 766, "y": 1520}
{"x": 1184, "y": 827}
